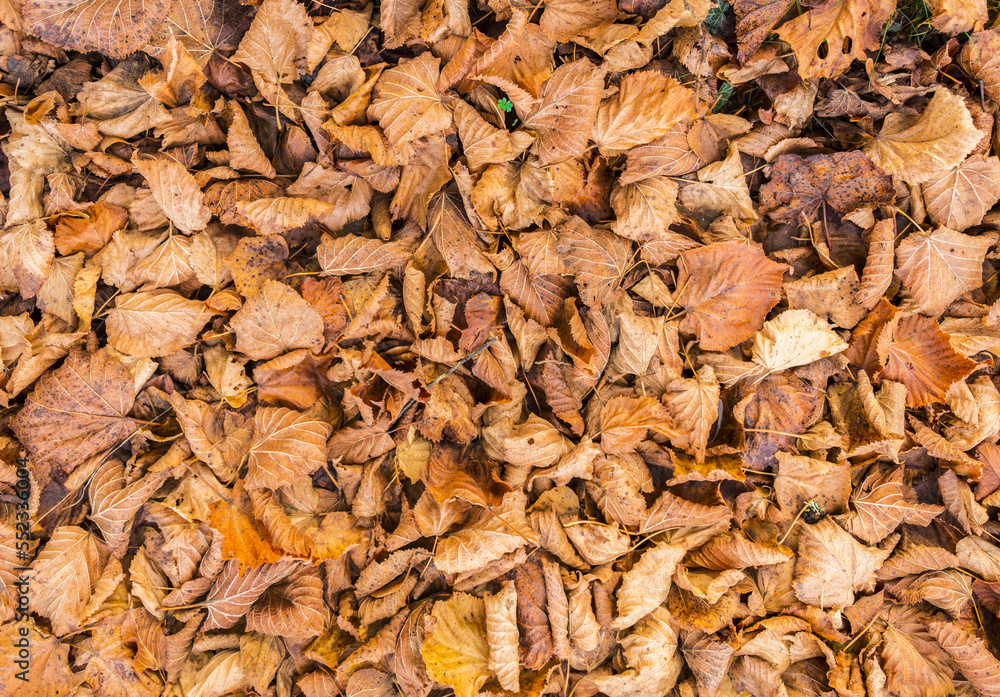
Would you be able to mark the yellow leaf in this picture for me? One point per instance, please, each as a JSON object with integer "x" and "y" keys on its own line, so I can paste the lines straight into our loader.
{"x": 456, "y": 650}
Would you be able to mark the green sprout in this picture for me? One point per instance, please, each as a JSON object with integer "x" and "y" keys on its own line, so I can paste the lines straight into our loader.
{"x": 504, "y": 105}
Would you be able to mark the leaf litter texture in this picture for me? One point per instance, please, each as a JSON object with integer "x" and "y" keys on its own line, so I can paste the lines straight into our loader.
{"x": 483, "y": 348}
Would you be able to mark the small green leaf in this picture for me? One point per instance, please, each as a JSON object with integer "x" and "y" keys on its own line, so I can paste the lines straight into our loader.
{"x": 504, "y": 105}
{"x": 725, "y": 92}
{"x": 716, "y": 16}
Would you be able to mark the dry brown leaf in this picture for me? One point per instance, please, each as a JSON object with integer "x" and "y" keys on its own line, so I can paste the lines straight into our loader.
{"x": 793, "y": 338}
{"x": 801, "y": 479}
{"x": 95, "y": 26}
{"x": 233, "y": 592}
{"x": 176, "y": 191}
{"x": 406, "y": 102}
{"x": 568, "y": 107}
{"x": 914, "y": 663}
{"x": 243, "y": 536}
{"x": 727, "y": 289}
{"x": 877, "y": 276}
{"x": 351, "y": 255}
{"x": 648, "y": 105}
{"x": 645, "y": 209}
{"x": 286, "y": 446}
{"x": 155, "y": 323}
{"x": 295, "y": 609}
{"x": 113, "y": 504}
{"x": 598, "y": 543}
{"x": 721, "y": 189}
{"x": 917, "y": 353}
{"x": 482, "y": 142}
{"x": 77, "y": 410}
{"x": 274, "y": 48}
{"x": 938, "y": 267}
{"x": 832, "y": 566}
{"x": 532, "y": 620}
{"x": 978, "y": 56}
{"x": 486, "y": 539}
{"x": 918, "y": 148}
{"x": 65, "y": 574}
{"x": 26, "y": 252}
{"x": 262, "y": 328}
{"x": 693, "y": 404}
{"x": 646, "y": 585}
{"x": 973, "y": 657}
{"x": 883, "y": 504}
{"x": 244, "y": 150}
{"x": 954, "y": 18}
{"x": 626, "y": 420}
{"x": 960, "y": 198}
{"x": 828, "y": 37}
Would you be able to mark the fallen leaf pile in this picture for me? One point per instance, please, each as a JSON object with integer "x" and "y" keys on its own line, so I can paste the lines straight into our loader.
{"x": 427, "y": 347}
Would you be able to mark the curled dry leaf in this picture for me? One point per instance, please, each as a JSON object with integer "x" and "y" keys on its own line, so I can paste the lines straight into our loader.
{"x": 646, "y": 585}
{"x": 793, "y": 338}
{"x": 176, "y": 191}
{"x": 244, "y": 150}
{"x": 501, "y": 634}
{"x": 877, "y": 275}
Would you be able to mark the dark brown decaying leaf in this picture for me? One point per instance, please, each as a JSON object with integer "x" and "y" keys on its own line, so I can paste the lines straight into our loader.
{"x": 844, "y": 182}
{"x": 532, "y": 618}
